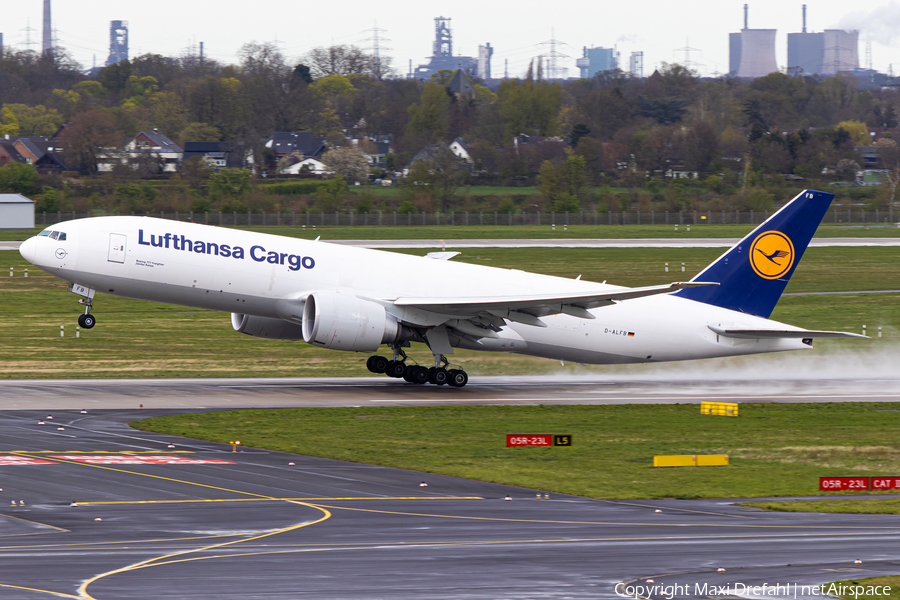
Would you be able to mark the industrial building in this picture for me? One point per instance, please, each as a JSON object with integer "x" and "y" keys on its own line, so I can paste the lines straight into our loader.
{"x": 442, "y": 53}
{"x": 485, "y": 52}
{"x": 824, "y": 53}
{"x": 752, "y": 51}
{"x": 118, "y": 42}
{"x": 597, "y": 60}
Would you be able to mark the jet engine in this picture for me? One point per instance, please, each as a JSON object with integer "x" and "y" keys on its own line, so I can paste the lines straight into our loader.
{"x": 266, "y": 327}
{"x": 346, "y": 322}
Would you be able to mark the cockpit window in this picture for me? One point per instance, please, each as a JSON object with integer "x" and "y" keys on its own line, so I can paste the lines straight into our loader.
{"x": 62, "y": 236}
{"x": 45, "y": 232}
{"x": 54, "y": 235}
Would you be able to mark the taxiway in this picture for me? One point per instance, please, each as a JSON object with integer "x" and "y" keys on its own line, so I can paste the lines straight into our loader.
{"x": 114, "y": 513}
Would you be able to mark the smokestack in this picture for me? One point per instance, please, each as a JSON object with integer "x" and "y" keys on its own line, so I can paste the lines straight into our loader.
{"x": 1, "y": 46}
{"x": 745, "y": 18}
{"x": 47, "y": 43}
{"x": 804, "y": 18}
{"x": 201, "y": 52}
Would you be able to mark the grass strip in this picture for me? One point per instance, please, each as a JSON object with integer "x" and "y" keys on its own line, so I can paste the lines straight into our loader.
{"x": 893, "y": 582}
{"x": 774, "y": 449}
{"x": 868, "y": 506}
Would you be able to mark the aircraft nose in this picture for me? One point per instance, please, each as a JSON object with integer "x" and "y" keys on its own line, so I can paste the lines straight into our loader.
{"x": 28, "y": 249}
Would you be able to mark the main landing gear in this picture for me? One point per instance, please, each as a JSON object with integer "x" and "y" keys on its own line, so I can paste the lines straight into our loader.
{"x": 86, "y": 320}
{"x": 438, "y": 374}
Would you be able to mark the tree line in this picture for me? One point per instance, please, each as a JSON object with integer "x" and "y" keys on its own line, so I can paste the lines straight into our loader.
{"x": 608, "y": 132}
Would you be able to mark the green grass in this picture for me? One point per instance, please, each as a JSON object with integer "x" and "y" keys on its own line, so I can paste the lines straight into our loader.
{"x": 893, "y": 582}
{"x": 879, "y": 506}
{"x": 144, "y": 339}
{"x": 448, "y": 232}
{"x": 774, "y": 449}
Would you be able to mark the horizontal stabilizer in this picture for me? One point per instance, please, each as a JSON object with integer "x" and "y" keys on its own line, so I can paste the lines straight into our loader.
{"x": 783, "y": 333}
{"x": 442, "y": 255}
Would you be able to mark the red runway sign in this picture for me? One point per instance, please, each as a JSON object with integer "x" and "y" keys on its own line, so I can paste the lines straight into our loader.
{"x": 514, "y": 441}
{"x": 886, "y": 483}
{"x": 835, "y": 484}
{"x": 128, "y": 459}
{"x": 23, "y": 460}
{"x": 519, "y": 440}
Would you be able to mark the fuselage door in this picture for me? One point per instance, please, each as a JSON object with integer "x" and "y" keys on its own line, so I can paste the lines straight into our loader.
{"x": 116, "y": 248}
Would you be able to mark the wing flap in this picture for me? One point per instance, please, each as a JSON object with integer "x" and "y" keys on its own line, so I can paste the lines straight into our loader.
{"x": 782, "y": 333}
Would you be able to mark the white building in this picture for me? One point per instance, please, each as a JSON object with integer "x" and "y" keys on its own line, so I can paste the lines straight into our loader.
{"x": 16, "y": 212}
{"x": 151, "y": 145}
{"x": 312, "y": 165}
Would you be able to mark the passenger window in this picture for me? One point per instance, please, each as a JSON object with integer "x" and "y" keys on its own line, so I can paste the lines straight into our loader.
{"x": 62, "y": 236}
{"x": 54, "y": 235}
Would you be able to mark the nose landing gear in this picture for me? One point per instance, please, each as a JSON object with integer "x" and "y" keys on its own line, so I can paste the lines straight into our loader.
{"x": 86, "y": 320}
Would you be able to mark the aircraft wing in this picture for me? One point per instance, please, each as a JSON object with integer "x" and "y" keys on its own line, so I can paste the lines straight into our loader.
{"x": 528, "y": 309}
{"x": 783, "y": 333}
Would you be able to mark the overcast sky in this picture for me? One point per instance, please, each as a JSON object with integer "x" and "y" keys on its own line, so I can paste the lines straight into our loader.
{"x": 516, "y": 30}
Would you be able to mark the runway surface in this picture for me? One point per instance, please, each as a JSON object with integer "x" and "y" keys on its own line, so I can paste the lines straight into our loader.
{"x": 578, "y": 243}
{"x": 631, "y": 387}
{"x": 119, "y": 514}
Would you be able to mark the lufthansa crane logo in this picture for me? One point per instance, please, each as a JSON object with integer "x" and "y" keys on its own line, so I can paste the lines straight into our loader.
{"x": 772, "y": 254}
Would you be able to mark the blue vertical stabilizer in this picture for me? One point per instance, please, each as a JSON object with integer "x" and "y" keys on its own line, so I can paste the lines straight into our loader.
{"x": 753, "y": 274}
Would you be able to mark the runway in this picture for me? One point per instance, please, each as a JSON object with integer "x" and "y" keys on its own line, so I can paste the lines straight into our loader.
{"x": 112, "y": 513}
{"x": 667, "y": 386}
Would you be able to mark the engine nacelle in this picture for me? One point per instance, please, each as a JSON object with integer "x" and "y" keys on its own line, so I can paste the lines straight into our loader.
{"x": 265, "y": 327}
{"x": 345, "y": 322}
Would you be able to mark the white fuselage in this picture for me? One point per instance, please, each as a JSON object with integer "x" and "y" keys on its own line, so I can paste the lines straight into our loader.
{"x": 268, "y": 270}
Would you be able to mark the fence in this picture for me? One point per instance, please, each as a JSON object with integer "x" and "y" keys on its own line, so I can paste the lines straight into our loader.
{"x": 381, "y": 218}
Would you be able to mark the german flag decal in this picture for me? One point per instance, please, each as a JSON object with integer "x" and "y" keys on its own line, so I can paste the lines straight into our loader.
{"x": 630, "y": 334}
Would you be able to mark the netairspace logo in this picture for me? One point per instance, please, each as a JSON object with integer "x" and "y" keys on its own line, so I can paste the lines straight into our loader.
{"x": 778, "y": 590}
{"x": 294, "y": 262}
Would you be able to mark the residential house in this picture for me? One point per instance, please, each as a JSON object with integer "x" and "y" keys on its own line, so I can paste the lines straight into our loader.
{"x": 374, "y": 147}
{"x": 44, "y": 154}
{"x": 220, "y": 155}
{"x": 8, "y": 153}
{"x": 300, "y": 143}
{"x": 313, "y": 166}
{"x": 150, "y": 147}
{"x": 461, "y": 150}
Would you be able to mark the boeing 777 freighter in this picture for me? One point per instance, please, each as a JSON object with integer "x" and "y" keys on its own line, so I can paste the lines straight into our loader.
{"x": 355, "y": 299}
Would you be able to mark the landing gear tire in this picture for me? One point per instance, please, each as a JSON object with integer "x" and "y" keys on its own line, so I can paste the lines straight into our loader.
{"x": 395, "y": 368}
{"x": 87, "y": 321}
{"x": 377, "y": 364}
{"x": 458, "y": 378}
{"x": 417, "y": 375}
{"x": 438, "y": 376}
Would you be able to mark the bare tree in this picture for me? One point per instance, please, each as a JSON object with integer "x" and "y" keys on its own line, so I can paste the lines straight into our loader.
{"x": 263, "y": 60}
{"x": 345, "y": 60}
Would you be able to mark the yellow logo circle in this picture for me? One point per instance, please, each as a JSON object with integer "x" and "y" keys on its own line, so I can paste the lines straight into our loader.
{"x": 771, "y": 254}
